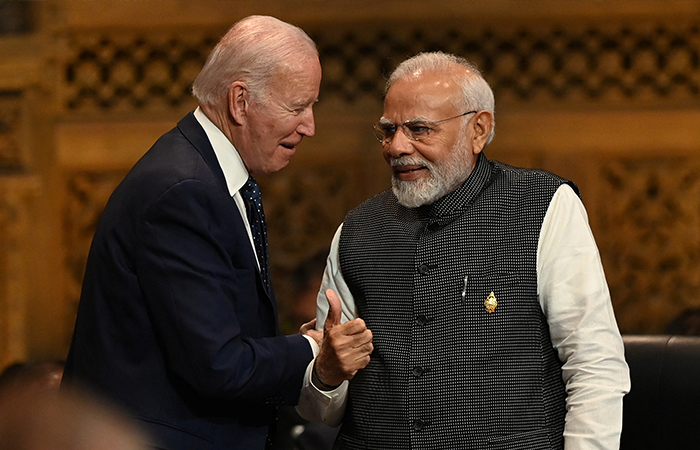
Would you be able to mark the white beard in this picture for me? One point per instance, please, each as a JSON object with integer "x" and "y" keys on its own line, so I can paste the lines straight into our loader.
{"x": 443, "y": 176}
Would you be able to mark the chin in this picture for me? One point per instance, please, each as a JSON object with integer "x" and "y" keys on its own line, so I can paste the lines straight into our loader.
{"x": 276, "y": 166}
{"x": 410, "y": 194}
{"x": 420, "y": 192}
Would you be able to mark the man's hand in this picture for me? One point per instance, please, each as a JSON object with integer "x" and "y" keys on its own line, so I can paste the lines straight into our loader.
{"x": 309, "y": 329}
{"x": 345, "y": 348}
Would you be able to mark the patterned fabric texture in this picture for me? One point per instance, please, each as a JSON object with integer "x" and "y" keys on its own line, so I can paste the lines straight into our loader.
{"x": 446, "y": 373}
{"x": 258, "y": 227}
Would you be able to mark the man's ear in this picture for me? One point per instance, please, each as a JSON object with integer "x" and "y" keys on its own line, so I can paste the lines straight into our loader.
{"x": 481, "y": 126}
{"x": 238, "y": 101}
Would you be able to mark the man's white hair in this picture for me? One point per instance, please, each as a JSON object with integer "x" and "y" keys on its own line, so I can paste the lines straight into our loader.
{"x": 476, "y": 92}
{"x": 253, "y": 50}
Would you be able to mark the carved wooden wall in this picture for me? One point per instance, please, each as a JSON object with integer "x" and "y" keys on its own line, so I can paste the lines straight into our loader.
{"x": 604, "y": 92}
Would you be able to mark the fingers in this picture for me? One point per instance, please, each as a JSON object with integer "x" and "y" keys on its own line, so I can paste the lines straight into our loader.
{"x": 343, "y": 353}
{"x": 346, "y": 347}
{"x": 353, "y": 327}
{"x": 309, "y": 329}
{"x": 334, "y": 310}
{"x": 334, "y": 315}
{"x": 307, "y": 326}
{"x": 334, "y": 366}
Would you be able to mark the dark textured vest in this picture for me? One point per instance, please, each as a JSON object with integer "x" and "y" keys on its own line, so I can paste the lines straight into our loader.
{"x": 446, "y": 373}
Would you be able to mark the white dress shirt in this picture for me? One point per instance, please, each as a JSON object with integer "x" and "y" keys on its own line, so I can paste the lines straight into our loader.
{"x": 574, "y": 296}
{"x": 236, "y": 176}
{"x": 231, "y": 164}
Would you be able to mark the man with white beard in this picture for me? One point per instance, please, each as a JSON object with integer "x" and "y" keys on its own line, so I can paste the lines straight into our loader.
{"x": 481, "y": 284}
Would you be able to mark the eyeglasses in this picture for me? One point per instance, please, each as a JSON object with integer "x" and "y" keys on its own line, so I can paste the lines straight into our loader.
{"x": 414, "y": 129}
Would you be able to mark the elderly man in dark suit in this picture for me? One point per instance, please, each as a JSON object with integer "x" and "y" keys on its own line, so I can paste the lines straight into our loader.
{"x": 177, "y": 319}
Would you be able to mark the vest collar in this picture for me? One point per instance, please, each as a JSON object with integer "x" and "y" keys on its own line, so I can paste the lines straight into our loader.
{"x": 451, "y": 206}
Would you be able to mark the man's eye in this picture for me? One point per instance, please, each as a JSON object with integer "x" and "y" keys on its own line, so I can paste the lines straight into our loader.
{"x": 297, "y": 110}
{"x": 419, "y": 130}
{"x": 388, "y": 129}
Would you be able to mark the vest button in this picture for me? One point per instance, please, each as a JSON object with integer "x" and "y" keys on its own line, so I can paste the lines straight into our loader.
{"x": 418, "y": 425}
{"x": 423, "y": 269}
{"x": 417, "y": 371}
{"x": 421, "y": 320}
{"x": 432, "y": 226}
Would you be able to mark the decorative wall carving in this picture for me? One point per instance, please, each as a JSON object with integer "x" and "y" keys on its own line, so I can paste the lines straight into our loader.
{"x": 15, "y": 17}
{"x": 10, "y": 128}
{"x": 114, "y": 72}
{"x": 548, "y": 63}
{"x": 96, "y": 71}
{"x": 304, "y": 205}
{"x": 526, "y": 63}
{"x": 613, "y": 64}
{"x": 87, "y": 192}
{"x": 650, "y": 240}
{"x": 16, "y": 195}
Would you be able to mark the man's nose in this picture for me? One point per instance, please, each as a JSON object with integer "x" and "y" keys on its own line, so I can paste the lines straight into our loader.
{"x": 307, "y": 126}
{"x": 399, "y": 145}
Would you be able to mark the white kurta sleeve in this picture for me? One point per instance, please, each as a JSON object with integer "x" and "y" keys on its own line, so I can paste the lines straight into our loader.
{"x": 576, "y": 301}
{"x": 314, "y": 404}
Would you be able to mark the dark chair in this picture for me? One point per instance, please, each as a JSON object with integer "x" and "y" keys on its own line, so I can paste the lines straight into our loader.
{"x": 662, "y": 410}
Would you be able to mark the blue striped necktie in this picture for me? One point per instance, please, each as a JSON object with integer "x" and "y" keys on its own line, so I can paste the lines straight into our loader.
{"x": 256, "y": 218}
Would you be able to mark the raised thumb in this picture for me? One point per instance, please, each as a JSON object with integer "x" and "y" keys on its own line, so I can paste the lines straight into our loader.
{"x": 334, "y": 310}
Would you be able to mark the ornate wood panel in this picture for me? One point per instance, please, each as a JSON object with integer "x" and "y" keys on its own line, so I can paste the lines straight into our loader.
{"x": 560, "y": 64}
{"x": 602, "y": 92}
{"x": 650, "y": 237}
{"x": 16, "y": 198}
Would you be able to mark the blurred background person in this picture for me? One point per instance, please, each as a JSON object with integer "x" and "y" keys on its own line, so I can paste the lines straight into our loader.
{"x": 44, "y": 375}
{"x": 33, "y": 418}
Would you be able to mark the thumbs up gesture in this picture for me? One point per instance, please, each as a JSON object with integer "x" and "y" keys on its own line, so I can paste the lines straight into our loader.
{"x": 345, "y": 348}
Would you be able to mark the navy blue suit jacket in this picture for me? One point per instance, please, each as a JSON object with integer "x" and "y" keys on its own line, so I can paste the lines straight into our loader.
{"x": 174, "y": 321}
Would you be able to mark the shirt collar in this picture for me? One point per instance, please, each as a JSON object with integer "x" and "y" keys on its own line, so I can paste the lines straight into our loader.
{"x": 229, "y": 159}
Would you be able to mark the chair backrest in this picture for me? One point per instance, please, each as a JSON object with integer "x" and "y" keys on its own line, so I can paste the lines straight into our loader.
{"x": 662, "y": 410}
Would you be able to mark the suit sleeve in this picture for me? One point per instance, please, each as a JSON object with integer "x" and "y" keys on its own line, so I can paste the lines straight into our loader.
{"x": 198, "y": 275}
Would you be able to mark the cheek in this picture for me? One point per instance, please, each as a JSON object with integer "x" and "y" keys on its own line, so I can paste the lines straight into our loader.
{"x": 433, "y": 153}
{"x": 386, "y": 154}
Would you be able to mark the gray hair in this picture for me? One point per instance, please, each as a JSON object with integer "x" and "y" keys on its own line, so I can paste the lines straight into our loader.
{"x": 476, "y": 92}
{"x": 253, "y": 50}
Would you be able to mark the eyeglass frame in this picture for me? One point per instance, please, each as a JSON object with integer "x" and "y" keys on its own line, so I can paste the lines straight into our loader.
{"x": 382, "y": 137}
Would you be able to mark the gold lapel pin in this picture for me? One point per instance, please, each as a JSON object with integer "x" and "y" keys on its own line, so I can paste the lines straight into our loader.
{"x": 491, "y": 303}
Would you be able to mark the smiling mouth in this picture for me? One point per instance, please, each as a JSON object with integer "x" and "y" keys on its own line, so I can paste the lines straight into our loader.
{"x": 408, "y": 173}
{"x": 408, "y": 169}
{"x": 289, "y": 146}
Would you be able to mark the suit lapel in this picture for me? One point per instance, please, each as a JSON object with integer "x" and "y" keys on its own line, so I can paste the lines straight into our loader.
{"x": 194, "y": 133}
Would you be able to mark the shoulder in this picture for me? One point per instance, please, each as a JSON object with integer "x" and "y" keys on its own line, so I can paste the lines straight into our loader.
{"x": 172, "y": 165}
{"x": 529, "y": 179}
{"x": 383, "y": 201}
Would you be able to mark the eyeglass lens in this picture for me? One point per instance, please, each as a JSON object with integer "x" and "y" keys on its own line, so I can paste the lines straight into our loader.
{"x": 414, "y": 130}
